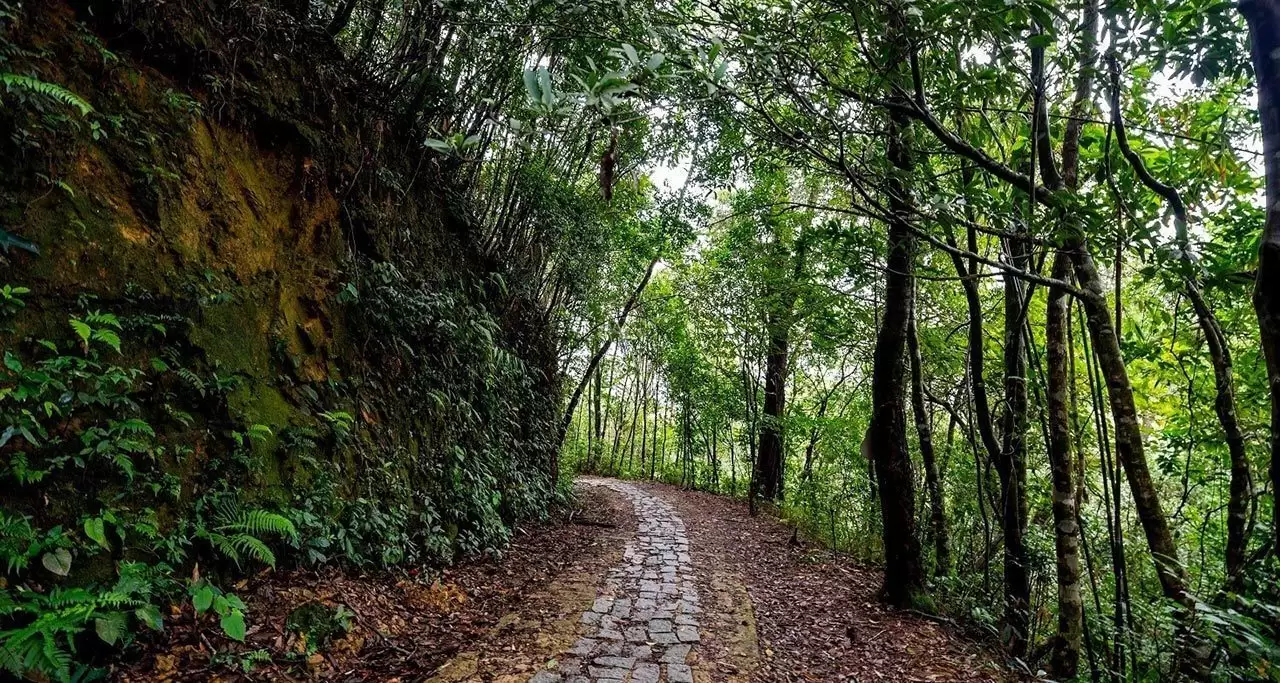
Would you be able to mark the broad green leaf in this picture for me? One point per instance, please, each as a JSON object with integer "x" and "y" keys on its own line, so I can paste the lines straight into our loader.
{"x": 233, "y": 625}
{"x": 531, "y": 85}
{"x": 150, "y": 615}
{"x": 547, "y": 91}
{"x": 110, "y": 627}
{"x": 95, "y": 529}
{"x": 57, "y": 561}
{"x": 202, "y": 599}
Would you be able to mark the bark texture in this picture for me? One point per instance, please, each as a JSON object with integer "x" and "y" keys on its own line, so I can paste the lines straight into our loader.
{"x": 1065, "y": 658}
{"x": 887, "y": 439}
{"x": 1263, "y": 17}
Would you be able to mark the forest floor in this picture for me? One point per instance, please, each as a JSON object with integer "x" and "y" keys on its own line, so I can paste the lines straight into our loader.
{"x": 640, "y": 582}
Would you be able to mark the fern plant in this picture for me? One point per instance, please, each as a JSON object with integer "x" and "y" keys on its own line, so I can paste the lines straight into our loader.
{"x": 237, "y": 533}
{"x": 17, "y": 82}
{"x": 46, "y": 643}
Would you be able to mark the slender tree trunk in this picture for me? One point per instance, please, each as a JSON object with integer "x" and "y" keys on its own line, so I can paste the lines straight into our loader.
{"x": 1131, "y": 453}
{"x": 657, "y": 415}
{"x": 886, "y": 438}
{"x": 768, "y": 478}
{"x": 1263, "y": 17}
{"x": 341, "y": 17}
{"x": 666, "y": 419}
{"x": 1060, "y": 392}
{"x": 1012, "y": 463}
{"x": 370, "y": 32}
{"x": 733, "y": 465}
{"x": 615, "y": 457}
{"x": 1065, "y": 660}
{"x": 1215, "y": 344}
{"x": 644, "y": 423}
{"x": 924, "y": 432}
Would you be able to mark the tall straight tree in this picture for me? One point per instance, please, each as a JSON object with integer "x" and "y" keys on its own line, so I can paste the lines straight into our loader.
{"x": 769, "y": 467}
{"x": 887, "y": 437}
{"x": 1263, "y": 17}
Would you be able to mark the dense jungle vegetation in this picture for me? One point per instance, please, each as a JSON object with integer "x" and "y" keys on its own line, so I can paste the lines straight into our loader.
{"x": 986, "y": 292}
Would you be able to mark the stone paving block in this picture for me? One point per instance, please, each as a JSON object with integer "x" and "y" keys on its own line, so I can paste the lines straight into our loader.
{"x": 640, "y": 652}
{"x": 583, "y": 647}
{"x": 687, "y": 634}
{"x": 676, "y": 654}
{"x": 615, "y": 662}
{"x": 663, "y": 638}
{"x": 607, "y": 673}
{"x": 645, "y": 673}
{"x": 621, "y": 608}
{"x": 611, "y": 649}
{"x": 679, "y": 673}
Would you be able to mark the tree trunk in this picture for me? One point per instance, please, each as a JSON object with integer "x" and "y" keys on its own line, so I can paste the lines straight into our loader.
{"x": 1215, "y": 343}
{"x": 1012, "y": 463}
{"x": 924, "y": 432}
{"x": 341, "y": 18}
{"x": 1065, "y": 661}
{"x": 1263, "y": 17}
{"x": 771, "y": 463}
{"x": 644, "y": 424}
{"x": 768, "y": 477}
{"x": 1060, "y": 390}
{"x": 887, "y": 439}
{"x": 1130, "y": 451}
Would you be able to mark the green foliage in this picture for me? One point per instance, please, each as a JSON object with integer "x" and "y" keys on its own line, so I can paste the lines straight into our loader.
{"x": 227, "y": 607}
{"x": 64, "y": 412}
{"x": 44, "y": 627}
{"x": 237, "y": 533}
{"x": 18, "y": 83}
{"x": 318, "y": 623}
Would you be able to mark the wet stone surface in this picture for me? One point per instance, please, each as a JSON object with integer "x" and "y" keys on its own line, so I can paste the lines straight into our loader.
{"x": 643, "y": 626}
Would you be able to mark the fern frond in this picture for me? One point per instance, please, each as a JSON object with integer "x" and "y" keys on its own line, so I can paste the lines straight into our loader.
{"x": 254, "y": 548}
{"x": 258, "y": 522}
{"x": 50, "y": 90}
{"x": 224, "y": 545}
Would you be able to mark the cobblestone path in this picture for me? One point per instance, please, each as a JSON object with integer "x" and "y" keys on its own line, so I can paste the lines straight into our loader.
{"x": 644, "y": 623}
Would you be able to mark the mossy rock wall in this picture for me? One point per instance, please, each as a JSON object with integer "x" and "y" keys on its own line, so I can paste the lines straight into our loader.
{"x": 261, "y": 220}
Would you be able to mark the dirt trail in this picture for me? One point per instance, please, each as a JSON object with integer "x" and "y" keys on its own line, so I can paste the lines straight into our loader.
{"x": 784, "y": 611}
{"x": 707, "y": 593}
{"x": 643, "y": 583}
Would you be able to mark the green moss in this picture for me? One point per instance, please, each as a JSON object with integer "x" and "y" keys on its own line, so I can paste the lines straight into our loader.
{"x": 231, "y": 330}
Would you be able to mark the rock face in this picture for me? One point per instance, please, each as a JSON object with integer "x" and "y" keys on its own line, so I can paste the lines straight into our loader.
{"x": 281, "y": 254}
{"x": 644, "y": 625}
